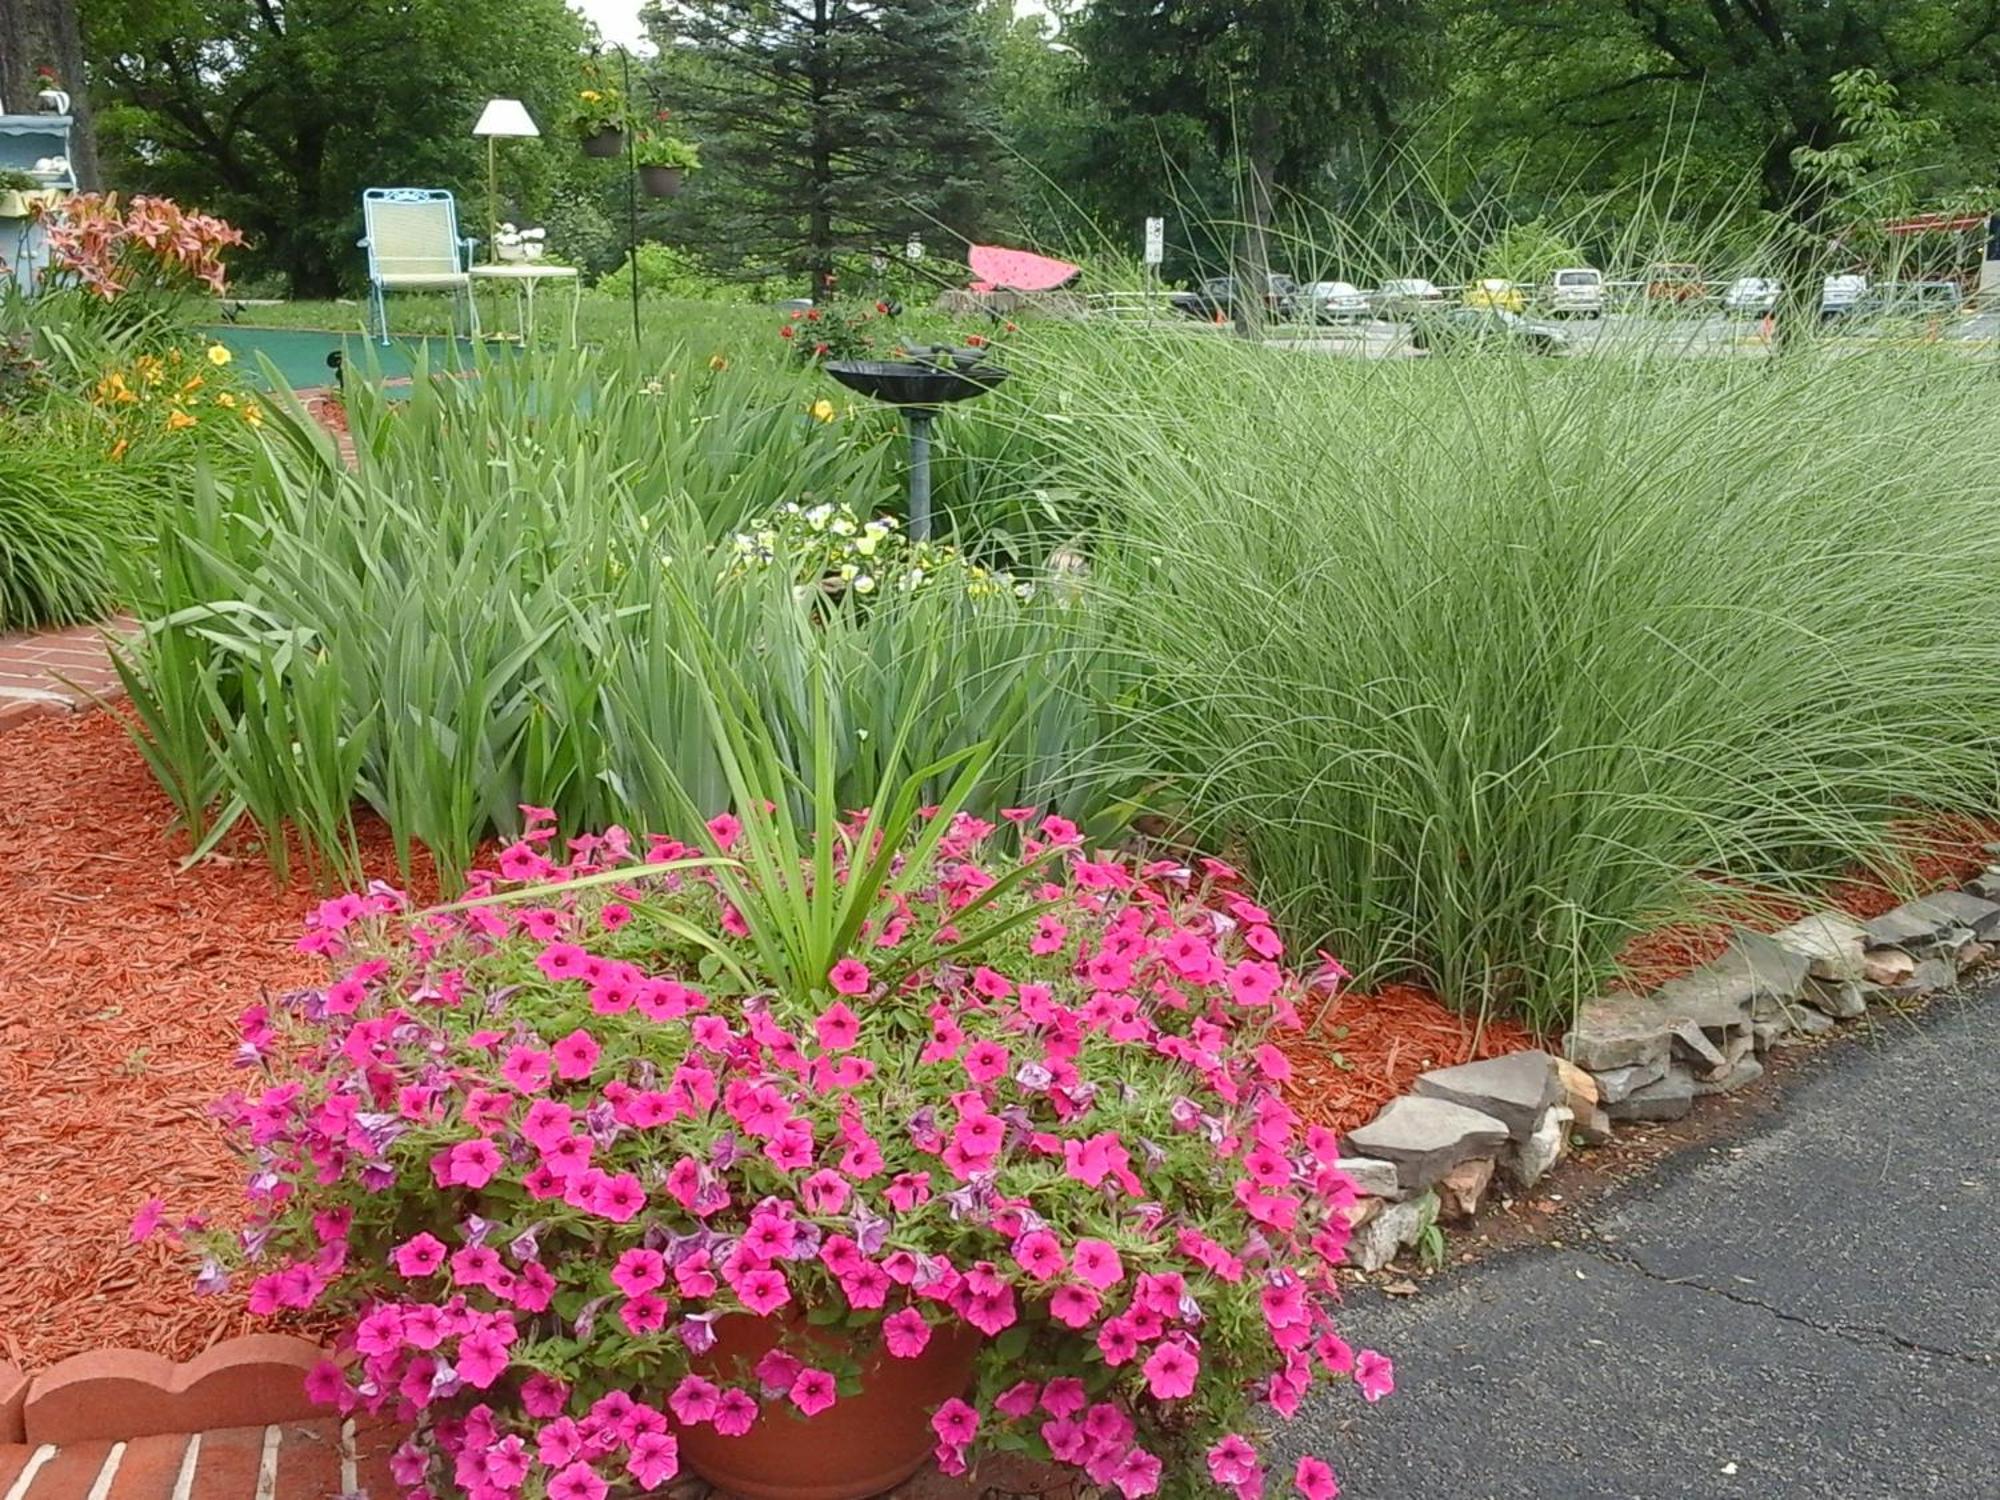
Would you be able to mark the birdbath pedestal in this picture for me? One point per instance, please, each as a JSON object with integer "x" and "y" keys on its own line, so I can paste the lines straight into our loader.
{"x": 920, "y": 388}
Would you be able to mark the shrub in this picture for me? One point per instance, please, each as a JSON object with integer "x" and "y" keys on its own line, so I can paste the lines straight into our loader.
{"x": 1485, "y": 666}
{"x": 537, "y": 1151}
{"x": 586, "y": 499}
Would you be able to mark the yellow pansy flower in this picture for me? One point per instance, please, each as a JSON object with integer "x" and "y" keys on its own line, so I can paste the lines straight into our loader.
{"x": 822, "y": 410}
{"x": 218, "y": 355}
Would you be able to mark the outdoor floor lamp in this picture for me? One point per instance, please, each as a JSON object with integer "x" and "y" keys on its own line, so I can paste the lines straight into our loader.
{"x": 500, "y": 117}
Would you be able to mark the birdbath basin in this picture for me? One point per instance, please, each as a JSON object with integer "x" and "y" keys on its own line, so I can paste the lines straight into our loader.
{"x": 912, "y": 382}
{"x": 918, "y": 387}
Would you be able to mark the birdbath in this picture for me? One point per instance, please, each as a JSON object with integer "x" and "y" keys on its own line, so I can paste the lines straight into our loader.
{"x": 920, "y": 387}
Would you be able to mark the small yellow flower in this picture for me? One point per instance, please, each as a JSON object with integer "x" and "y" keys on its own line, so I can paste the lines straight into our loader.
{"x": 218, "y": 355}
{"x": 823, "y": 410}
{"x": 717, "y": 362}
{"x": 225, "y": 398}
{"x": 253, "y": 414}
{"x": 192, "y": 383}
{"x": 178, "y": 419}
{"x": 590, "y": 96}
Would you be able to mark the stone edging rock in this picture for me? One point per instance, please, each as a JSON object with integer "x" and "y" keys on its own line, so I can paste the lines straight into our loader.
{"x": 1435, "y": 1151}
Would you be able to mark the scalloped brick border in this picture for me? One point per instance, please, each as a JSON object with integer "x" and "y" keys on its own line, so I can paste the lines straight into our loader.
{"x": 256, "y": 1380}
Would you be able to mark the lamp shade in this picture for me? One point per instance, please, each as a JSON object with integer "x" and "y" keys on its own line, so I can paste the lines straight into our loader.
{"x": 505, "y": 117}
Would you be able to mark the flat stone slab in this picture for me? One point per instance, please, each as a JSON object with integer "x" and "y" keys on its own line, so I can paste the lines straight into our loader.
{"x": 1618, "y": 1083}
{"x": 1426, "y": 1138}
{"x": 1372, "y": 1178}
{"x": 1514, "y": 1089}
{"x": 1932, "y": 924}
{"x": 1832, "y": 943}
{"x": 1668, "y": 1098}
{"x": 1617, "y": 1033}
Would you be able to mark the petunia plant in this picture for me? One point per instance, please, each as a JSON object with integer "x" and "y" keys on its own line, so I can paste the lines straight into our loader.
{"x": 880, "y": 1079}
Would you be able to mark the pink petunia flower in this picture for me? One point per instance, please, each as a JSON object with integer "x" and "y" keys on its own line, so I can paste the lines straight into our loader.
{"x": 147, "y": 1219}
{"x": 1171, "y": 1372}
{"x": 654, "y": 1459}
{"x": 763, "y": 1291}
{"x": 735, "y": 1412}
{"x": 577, "y": 1482}
{"x": 1137, "y": 1474}
{"x": 849, "y": 977}
{"x": 813, "y": 1391}
{"x": 1018, "y": 1400}
{"x": 905, "y": 1333}
{"x": 639, "y": 1270}
{"x": 1314, "y": 1479}
{"x": 725, "y": 828}
{"x": 543, "y": 1395}
{"x": 1074, "y": 1306}
{"x": 694, "y": 1400}
{"x": 1374, "y": 1374}
{"x": 1097, "y": 1263}
{"x": 837, "y": 1028}
{"x": 576, "y": 1055}
{"x": 1232, "y": 1460}
{"x": 955, "y": 1424}
{"x": 527, "y": 1069}
{"x": 986, "y": 1061}
{"x": 1040, "y": 1255}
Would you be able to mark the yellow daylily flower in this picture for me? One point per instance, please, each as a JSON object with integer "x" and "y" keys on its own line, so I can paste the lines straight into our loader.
{"x": 177, "y": 419}
{"x": 218, "y": 355}
{"x": 823, "y": 410}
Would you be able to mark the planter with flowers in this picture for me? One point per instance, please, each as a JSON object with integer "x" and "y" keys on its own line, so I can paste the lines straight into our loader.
{"x": 514, "y": 244}
{"x": 664, "y": 162}
{"x": 800, "y": 1153}
{"x": 51, "y": 98}
{"x": 599, "y": 118}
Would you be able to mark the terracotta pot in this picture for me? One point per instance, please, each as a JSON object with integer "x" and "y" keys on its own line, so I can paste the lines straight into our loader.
{"x": 861, "y": 1445}
{"x": 604, "y": 143}
{"x": 661, "y": 182}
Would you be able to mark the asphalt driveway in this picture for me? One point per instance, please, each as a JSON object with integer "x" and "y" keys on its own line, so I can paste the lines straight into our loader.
{"x": 1811, "y": 1309}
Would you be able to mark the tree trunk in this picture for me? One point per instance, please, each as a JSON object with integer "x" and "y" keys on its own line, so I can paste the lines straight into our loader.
{"x": 38, "y": 34}
{"x": 1253, "y": 257}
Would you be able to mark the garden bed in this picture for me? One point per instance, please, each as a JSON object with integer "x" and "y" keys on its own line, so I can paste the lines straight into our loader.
{"x": 125, "y": 979}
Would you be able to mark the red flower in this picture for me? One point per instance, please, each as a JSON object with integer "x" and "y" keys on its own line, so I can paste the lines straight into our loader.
{"x": 1013, "y": 327}
{"x": 977, "y": 340}
{"x": 882, "y": 307}
{"x": 812, "y": 315}
{"x": 821, "y": 348}
{"x": 787, "y": 331}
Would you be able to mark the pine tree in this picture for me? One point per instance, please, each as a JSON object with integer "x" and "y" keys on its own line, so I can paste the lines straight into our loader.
{"x": 834, "y": 125}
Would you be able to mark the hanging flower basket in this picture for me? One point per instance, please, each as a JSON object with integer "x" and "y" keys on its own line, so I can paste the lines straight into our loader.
{"x": 662, "y": 182}
{"x": 604, "y": 143}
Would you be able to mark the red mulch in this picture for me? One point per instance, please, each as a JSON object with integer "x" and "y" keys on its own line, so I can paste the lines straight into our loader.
{"x": 1940, "y": 850}
{"x": 1368, "y": 1048}
{"x": 121, "y": 980}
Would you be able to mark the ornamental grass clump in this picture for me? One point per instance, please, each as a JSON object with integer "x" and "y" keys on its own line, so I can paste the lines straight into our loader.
{"x": 870, "y": 1086}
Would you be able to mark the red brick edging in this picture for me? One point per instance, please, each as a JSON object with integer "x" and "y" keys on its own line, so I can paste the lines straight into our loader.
{"x": 57, "y": 671}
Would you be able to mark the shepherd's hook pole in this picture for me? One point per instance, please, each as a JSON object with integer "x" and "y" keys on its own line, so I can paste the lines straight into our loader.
{"x": 919, "y": 418}
{"x": 631, "y": 196}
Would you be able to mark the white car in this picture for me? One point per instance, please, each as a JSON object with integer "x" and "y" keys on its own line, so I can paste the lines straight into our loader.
{"x": 1330, "y": 301}
{"x": 1752, "y": 294}
{"x": 1577, "y": 292}
{"x": 1407, "y": 291}
{"x": 1840, "y": 293}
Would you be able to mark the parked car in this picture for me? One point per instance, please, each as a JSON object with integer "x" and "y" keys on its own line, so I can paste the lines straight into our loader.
{"x": 1674, "y": 281}
{"x": 1335, "y": 301}
{"x": 1910, "y": 299}
{"x": 1215, "y": 298}
{"x": 1752, "y": 296}
{"x": 1462, "y": 330}
{"x": 1577, "y": 292}
{"x": 1839, "y": 294}
{"x": 1403, "y": 293}
{"x": 1496, "y": 291}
